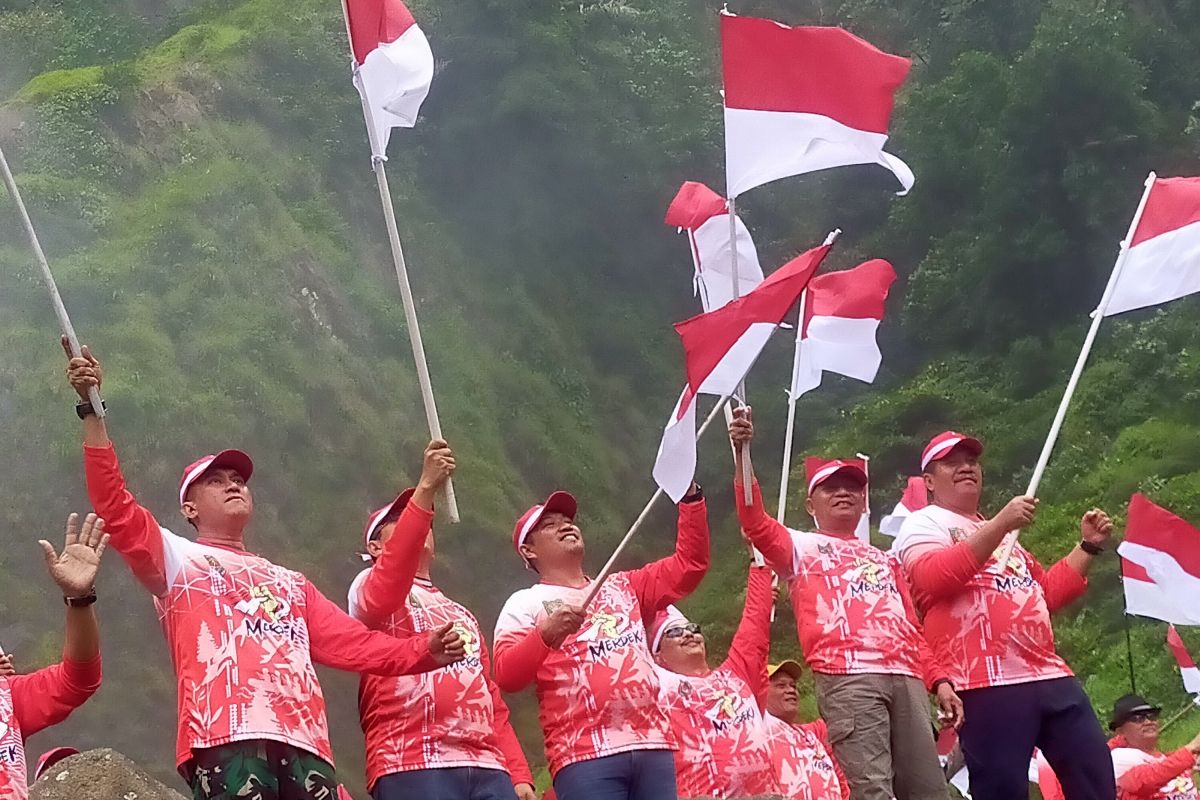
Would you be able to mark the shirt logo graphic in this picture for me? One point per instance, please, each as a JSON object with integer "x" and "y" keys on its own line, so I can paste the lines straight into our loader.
{"x": 264, "y": 600}
{"x": 470, "y": 643}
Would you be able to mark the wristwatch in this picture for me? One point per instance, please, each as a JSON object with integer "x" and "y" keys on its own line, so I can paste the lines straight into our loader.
{"x": 692, "y": 497}
{"x": 82, "y": 601}
{"x": 1090, "y": 549}
{"x": 85, "y": 409}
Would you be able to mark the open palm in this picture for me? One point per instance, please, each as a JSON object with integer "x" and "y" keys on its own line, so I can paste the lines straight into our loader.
{"x": 74, "y": 570}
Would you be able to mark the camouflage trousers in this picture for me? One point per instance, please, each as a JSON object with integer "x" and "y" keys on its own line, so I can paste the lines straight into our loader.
{"x": 260, "y": 770}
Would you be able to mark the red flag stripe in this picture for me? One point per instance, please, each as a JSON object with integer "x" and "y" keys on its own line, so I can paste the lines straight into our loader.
{"x": 1175, "y": 641}
{"x": 376, "y": 22}
{"x": 694, "y": 205}
{"x": 1173, "y": 203}
{"x": 825, "y": 71}
{"x": 1156, "y": 528}
{"x": 858, "y": 293}
{"x": 1134, "y": 572}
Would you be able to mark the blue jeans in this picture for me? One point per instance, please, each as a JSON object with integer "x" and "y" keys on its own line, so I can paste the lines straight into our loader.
{"x": 451, "y": 783}
{"x": 637, "y": 775}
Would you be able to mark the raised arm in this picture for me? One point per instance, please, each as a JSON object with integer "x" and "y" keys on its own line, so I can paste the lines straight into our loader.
{"x": 135, "y": 533}
{"x": 752, "y": 641}
{"x": 764, "y": 532}
{"x": 1144, "y": 780}
{"x": 523, "y": 642}
{"x": 338, "y": 640}
{"x": 676, "y": 576}
{"x": 387, "y": 585}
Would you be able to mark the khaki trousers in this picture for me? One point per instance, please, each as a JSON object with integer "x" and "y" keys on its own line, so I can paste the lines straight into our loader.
{"x": 882, "y": 735}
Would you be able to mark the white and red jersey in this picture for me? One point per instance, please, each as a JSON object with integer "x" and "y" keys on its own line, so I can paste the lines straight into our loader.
{"x": 803, "y": 761}
{"x": 1154, "y": 776}
{"x": 853, "y": 612}
{"x": 451, "y": 717}
{"x": 243, "y": 632}
{"x": 989, "y": 625}
{"x": 723, "y": 745}
{"x": 598, "y": 693}
{"x": 31, "y": 703}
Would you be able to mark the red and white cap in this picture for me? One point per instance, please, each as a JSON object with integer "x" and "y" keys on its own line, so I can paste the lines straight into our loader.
{"x": 235, "y": 459}
{"x": 558, "y": 502}
{"x": 664, "y": 620}
{"x": 941, "y": 445}
{"x": 375, "y": 521}
{"x": 52, "y": 757}
{"x": 820, "y": 470}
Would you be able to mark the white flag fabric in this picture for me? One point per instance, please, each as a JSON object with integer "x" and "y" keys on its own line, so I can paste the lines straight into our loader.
{"x": 704, "y": 215}
{"x": 804, "y": 99}
{"x": 1187, "y": 667}
{"x": 393, "y": 65}
{"x": 842, "y": 313}
{"x": 1160, "y": 564}
{"x": 915, "y": 497}
{"x": 1163, "y": 260}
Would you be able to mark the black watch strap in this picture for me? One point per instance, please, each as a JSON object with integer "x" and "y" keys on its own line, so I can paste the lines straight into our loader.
{"x": 1091, "y": 549}
{"x": 692, "y": 497}
{"x": 85, "y": 409}
{"x": 81, "y": 602}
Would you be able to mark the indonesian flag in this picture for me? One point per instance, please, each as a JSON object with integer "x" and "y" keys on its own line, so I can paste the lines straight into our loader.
{"x": 804, "y": 99}
{"x": 1160, "y": 564}
{"x": 393, "y": 65}
{"x": 1187, "y": 667}
{"x": 704, "y": 214}
{"x": 720, "y": 347}
{"x": 841, "y": 317}
{"x": 915, "y": 498}
{"x": 1163, "y": 260}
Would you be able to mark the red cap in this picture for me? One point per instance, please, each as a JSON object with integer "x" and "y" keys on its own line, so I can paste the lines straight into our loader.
{"x": 234, "y": 459}
{"x": 380, "y": 514}
{"x": 52, "y": 757}
{"x": 820, "y": 470}
{"x": 941, "y": 445}
{"x": 560, "y": 502}
{"x": 668, "y": 617}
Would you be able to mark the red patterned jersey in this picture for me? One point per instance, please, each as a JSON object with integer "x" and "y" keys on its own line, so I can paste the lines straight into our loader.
{"x": 723, "y": 745}
{"x": 853, "y": 612}
{"x": 243, "y": 632}
{"x": 598, "y": 693}
{"x": 31, "y": 703}
{"x": 804, "y": 762}
{"x": 1154, "y": 776}
{"x": 991, "y": 627}
{"x": 451, "y": 717}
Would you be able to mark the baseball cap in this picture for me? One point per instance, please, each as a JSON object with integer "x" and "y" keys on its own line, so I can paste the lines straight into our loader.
{"x": 788, "y": 667}
{"x": 375, "y": 521}
{"x": 668, "y": 617}
{"x": 558, "y": 502}
{"x": 52, "y": 757}
{"x": 941, "y": 445}
{"x": 235, "y": 459}
{"x": 1126, "y": 707}
{"x": 819, "y": 470}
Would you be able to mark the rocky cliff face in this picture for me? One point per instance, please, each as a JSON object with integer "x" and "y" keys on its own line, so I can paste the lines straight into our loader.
{"x": 99, "y": 775}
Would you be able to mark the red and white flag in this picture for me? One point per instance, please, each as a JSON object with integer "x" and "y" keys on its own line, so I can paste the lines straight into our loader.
{"x": 915, "y": 497}
{"x": 1187, "y": 667}
{"x": 804, "y": 99}
{"x": 704, "y": 214}
{"x": 1160, "y": 564}
{"x": 1163, "y": 260}
{"x": 393, "y": 65}
{"x": 841, "y": 318}
{"x": 720, "y": 347}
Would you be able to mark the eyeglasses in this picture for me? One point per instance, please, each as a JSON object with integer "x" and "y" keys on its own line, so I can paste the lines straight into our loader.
{"x": 1143, "y": 716}
{"x": 680, "y": 630}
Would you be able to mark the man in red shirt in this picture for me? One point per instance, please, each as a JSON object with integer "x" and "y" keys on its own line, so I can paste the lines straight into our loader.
{"x": 30, "y": 703}
{"x": 801, "y": 752}
{"x": 443, "y": 735}
{"x": 244, "y": 633}
{"x": 989, "y": 626}
{"x": 607, "y": 737}
{"x": 723, "y": 747}
{"x": 859, "y": 634}
{"x": 1143, "y": 771}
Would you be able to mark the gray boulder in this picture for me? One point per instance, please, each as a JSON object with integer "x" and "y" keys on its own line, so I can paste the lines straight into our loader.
{"x": 99, "y": 775}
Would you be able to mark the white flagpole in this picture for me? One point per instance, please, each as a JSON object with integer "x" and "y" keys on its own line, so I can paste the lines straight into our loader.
{"x": 1098, "y": 317}
{"x": 410, "y": 309}
{"x": 866, "y": 459}
{"x": 60, "y": 309}
{"x": 747, "y": 467}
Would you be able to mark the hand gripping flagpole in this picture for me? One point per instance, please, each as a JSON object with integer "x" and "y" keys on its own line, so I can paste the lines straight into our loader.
{"x": 60, "y": 310}
{"x": 410, "y": 309}
{"x": 1089, "y": 340}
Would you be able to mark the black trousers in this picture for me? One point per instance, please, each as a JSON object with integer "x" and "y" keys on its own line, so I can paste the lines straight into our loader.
{"x": 1004, "y": 723}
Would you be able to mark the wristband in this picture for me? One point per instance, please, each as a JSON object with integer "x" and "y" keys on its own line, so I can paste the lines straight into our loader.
{"x": 1091, "y": 549}
{"x": 81, "y": 602}
{"x": 85, "y": 409}
{"x": 694, "y": 496}
{"x": 939, "y": 682}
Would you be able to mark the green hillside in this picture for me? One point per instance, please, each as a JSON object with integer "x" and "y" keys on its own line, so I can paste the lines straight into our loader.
{"x": 198, "y": 172}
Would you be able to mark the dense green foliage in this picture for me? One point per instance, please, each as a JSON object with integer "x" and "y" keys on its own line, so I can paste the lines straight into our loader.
{"x": 199, "y": 179}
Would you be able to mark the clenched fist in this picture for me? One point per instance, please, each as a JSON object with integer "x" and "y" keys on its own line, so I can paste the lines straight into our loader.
{"x": 446, "y": 645}
{"x": 559, "y": 624}
{"x": 1018, "y": 514}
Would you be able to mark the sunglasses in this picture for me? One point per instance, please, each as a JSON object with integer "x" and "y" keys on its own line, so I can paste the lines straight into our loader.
{"x": 1144, "y": 716}
{"x": 679, "y": 630}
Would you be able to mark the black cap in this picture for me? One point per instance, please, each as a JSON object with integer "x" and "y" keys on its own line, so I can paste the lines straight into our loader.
{"x": 1126, "y": 707}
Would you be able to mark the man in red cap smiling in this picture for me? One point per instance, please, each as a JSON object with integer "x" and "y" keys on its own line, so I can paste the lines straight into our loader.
{"x": 606, "y": 736}
{"x": 244, "y": 633}
{"x": 989, "y": 625}
{"x": 859, "y": 633}
{"x": 444, "y": 735}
